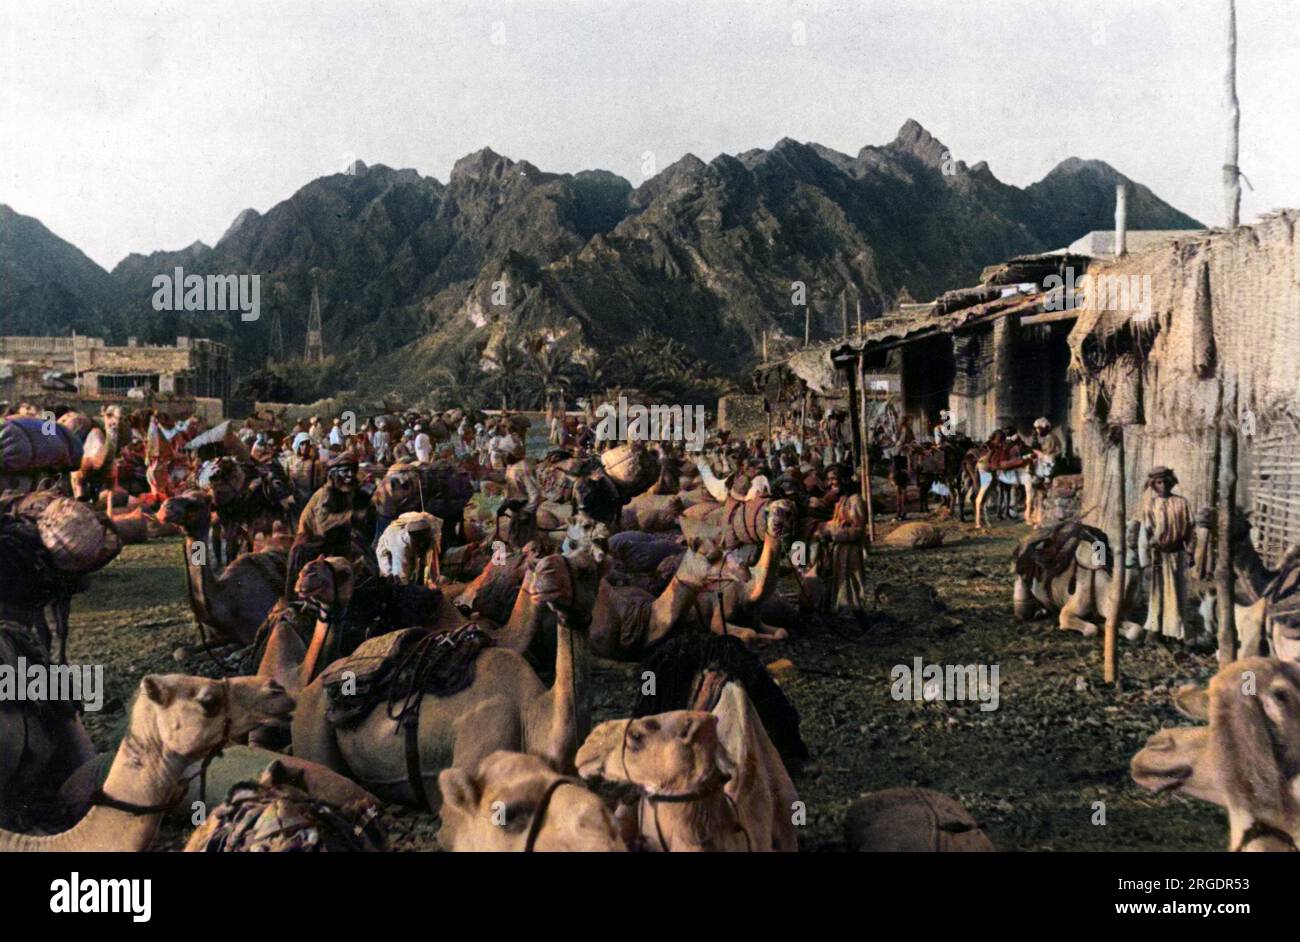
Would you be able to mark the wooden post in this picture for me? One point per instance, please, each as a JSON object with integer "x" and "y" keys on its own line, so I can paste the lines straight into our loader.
{"x": 865, "y": 458}
{"x": 844, "y": 311}
{"x": 807, "y": 324}
{"x": 803, "y": 421}
{"x": 1227, "y": 498}
{"x": 764, "y": 346}
{"x": 1109, "y": 670}
{"x": 859, "y": 315}
{"x": 1231, "y": 172}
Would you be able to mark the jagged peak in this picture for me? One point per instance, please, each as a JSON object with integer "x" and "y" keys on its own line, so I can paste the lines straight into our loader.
{"x": 244, "y": 217}
{"x": 920, "y": 143}
{"x": 483, "y": 164}
{"x": 1071, "y": 166}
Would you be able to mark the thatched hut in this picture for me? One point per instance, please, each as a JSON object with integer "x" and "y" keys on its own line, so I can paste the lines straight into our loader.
{"x": 1164, "y": 343}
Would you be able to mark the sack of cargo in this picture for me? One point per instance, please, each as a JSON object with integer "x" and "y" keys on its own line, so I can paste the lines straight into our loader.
{"x": 24, "y": 446}
{"x": 633, "y": 469}
{"x": 75, "y": 537}
{"x": 912, "y": 820}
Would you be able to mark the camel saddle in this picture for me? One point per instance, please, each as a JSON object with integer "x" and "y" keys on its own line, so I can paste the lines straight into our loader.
{"x": 401, "y": 666}
{"x": 1048, "y": 552}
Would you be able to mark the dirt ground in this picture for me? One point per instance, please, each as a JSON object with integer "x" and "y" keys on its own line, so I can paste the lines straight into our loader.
{"x": 1031, "y": 772}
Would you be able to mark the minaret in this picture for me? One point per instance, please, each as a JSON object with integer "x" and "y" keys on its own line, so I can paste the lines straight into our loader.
{"x": 315, "y": 339}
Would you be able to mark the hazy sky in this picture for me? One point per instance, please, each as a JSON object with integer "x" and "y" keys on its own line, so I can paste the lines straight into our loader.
{"x": 135, "y": 125}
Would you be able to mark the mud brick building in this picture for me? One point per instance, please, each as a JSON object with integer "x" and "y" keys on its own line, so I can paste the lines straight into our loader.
{"x": 37, "y": 367}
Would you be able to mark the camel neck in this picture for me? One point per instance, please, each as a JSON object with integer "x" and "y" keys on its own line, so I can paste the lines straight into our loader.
{"x": 518, "y": 632}
{"x": 199, "y": 574}
{"x": 703, "y": 824}
{"x": 142, "y": 774}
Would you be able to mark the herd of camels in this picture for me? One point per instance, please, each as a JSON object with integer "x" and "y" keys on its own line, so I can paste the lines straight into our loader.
{"x": 453, "y": 714}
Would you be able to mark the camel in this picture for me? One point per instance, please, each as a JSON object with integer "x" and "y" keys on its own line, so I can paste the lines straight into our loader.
{"x": 626, "y": 620}
{"x": 231, "y": 603}
{"x": 41, "y": 743}
{"x": 516, "y": 802}
{"x": 745, "y": 590}
{"x": 504, "y": 706}
{"x": 707, "y": 781}
{"x": 176, "y": 722}
{"x": 325, "y": 586}
{"x": 1247, "y": 760}
{"x": 99, "y": 455}
{"x": 1067, "y": 568}
{"x": 248, "y": 499}
{"x": 1264, "y": 599}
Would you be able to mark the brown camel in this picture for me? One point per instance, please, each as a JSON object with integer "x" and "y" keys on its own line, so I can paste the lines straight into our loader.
{"x": 1248, "y": 758}
{"x": 231, "y": 603}
{"x": 176, "y": 722}
{"x": 325, "y": 584}
{"x": 99, "y": 455}
{"x": 516, "y": 802}
{"x": 626, "y": 620}
{"x": 505, "y": 705}
{"x": 744, "y": 589}
{"x": 709, "y": 781}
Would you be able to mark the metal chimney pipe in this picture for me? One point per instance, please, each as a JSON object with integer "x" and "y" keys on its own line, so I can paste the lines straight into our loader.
{"x": 1121, "y": 220}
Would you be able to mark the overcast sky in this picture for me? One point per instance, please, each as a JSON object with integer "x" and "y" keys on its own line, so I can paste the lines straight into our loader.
{"x": 136, "y": 125}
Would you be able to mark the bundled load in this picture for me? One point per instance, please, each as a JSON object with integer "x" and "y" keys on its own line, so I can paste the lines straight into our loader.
{"x": 77, "y": 538}
{"x": 631, "y": 467}
{"x": 277, "y": 814}
{"x": 912, "y": 820}
{"x": 33, "y": 445}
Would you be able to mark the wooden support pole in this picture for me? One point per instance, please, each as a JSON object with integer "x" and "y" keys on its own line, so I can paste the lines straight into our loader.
{"x": 1227, "y": 499}
{"x": 865, "y": 456}
{"x": 807, "y": 325}
{"x": 1110, "y": 670}
{"x": 859, "y": 316}
{"x": 844, "y": 311}
{"x": 1231, "y": 172}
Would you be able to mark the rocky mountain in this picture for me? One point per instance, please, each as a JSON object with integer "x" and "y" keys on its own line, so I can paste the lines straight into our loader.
{"x": 415, "y": 274}
{"x": 47, "y": 285}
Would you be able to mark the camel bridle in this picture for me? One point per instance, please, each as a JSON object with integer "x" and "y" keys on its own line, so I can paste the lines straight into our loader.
{"x": 101, "y": 798}
{"x": 543, "y": 805}
{"x": 715, "y": 783}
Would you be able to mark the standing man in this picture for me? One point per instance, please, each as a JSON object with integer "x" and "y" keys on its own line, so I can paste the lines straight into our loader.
{"x": 1167, "y": 520}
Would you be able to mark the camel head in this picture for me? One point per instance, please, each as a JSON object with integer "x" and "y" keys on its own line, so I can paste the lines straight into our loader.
{"x": 780, "y": 517}
{"x": 399, "y": 491}
{"x": 1174, "y": 760}
{"x": 671, "y": 754}
{"x": 326, "y": 582}
{"x": 224, "y": 479}
{"x": 1247, "y": 759}
{"x": 570, "y": 580}
{"x": 698, "y": 564}
{"x": 191, "y": 511}
{"x": 495, "y": 808}
{"x": 192, "y": 717}
{"x": 1255, "y": 741}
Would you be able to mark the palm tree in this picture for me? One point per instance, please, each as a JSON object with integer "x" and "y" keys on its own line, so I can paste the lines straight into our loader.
{"x": 506, "y": 363}
{"x": 550, "y": 366}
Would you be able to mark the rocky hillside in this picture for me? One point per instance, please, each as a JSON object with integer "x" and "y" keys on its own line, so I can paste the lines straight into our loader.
{"x": 418, "y": 276}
